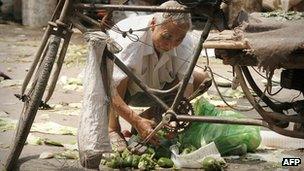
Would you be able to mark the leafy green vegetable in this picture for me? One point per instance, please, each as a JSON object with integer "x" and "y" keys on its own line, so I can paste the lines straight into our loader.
{"x": 209, "y": 163}
{"x": 53, "y": 128}
{"x": 125, "y": 153}
{"x": 212, "y": 164}
{"x": 135, "y": 161}
{"x": 103, "y": 161}
{"x": 150, "y": 151}
{"x": 128, "y": 161}
{"x": 121, "y": 160}
{"x": 146, "y": 162}
{"x": 33, "y": 140}
{"x": 186, "y": 151}
{"x": 67, "y": 154}
{"x": 188, "y": 148}
{"x": 53, "y": 143}
{"x": 165, "y": 162}
{"x": 161, "y": 134}
{"x": 7, "y": 124}
{"x": 112, "y": 163}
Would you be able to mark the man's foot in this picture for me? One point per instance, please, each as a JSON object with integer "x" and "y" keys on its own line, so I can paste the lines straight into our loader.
{"x": 117, "y": 141}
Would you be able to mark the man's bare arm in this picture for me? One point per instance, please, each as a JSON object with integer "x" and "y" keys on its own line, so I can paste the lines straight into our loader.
{"x": 142, "y": 125}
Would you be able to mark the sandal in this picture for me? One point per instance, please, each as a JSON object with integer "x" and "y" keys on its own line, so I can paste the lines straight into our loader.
{"x": 117, "y": 141}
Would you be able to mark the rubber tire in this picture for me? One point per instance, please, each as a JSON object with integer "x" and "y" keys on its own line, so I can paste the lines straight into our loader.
{"x": 27, "y": 118}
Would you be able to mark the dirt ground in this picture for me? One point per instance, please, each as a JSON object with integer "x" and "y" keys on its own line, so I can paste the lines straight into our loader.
{"x": 18, "y": 45}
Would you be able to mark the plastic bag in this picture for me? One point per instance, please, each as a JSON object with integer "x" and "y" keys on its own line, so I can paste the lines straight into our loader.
{"x": 195, "y": 158}
{"x": 229, "y": 139}
{"x": 93, "y": 125}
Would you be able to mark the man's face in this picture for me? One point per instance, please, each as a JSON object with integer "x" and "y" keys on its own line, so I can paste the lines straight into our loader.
{"x": 168, "y": 35}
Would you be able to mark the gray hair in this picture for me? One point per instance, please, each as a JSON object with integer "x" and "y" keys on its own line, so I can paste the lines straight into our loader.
{"x": 179, "y": 18}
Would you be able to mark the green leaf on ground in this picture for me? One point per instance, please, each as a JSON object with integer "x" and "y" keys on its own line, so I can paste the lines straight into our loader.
{"x": 236, "y": 94}
{"x": 53, "y": 128}
{"x": 7, "y": 124}
{"x": 33, "y": 140}
{"x": 52, "y": 143}
{"x": 67, "y": 154}
{"x": 10, "y": 83}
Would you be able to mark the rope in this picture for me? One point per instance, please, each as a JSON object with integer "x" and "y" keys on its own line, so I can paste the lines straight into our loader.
{"x": 218, "y": 91}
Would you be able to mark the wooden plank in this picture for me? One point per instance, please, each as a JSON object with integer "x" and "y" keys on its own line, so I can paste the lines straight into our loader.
{"x": 226, "y": 45}
{"x": 228, "y": 40}
{"x": 225, "y": 40}
{"x": 239, "y": 57}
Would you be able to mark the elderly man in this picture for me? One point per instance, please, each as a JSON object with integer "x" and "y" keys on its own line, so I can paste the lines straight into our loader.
{"x": 157, "y": 52}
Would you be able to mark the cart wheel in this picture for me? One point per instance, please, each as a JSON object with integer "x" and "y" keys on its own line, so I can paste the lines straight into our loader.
{"x": 31, "y": 106}
{"x": 275, "y": 120}
{"x": 273, "y": 106}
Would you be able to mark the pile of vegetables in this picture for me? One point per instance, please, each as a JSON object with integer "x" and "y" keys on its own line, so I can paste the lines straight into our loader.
{"x": 145, "y": 161}
{"x": 149, "y": 161}
{"x": 154, "y": 157}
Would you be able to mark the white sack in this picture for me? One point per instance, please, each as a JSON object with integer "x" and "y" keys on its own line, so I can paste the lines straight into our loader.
{"x": 93, "y": 125}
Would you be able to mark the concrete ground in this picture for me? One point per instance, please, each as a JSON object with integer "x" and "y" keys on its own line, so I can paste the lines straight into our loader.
{"x": 18, "y": 45}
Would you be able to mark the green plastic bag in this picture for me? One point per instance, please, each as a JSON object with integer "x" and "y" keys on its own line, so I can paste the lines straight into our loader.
{"x": 229, "y": 139}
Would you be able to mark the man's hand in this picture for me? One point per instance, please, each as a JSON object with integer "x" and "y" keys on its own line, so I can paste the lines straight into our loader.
{"x": 144, "y": 127}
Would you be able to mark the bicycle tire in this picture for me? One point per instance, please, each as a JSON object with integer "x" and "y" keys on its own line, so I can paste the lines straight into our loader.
{"x": 27, "y": 118}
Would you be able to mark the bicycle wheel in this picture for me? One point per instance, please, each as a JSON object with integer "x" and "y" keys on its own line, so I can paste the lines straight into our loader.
{"x": 31, "y": 107}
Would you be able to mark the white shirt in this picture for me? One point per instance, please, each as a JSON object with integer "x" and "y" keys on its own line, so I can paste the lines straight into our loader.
{"x": 141, "y": 57}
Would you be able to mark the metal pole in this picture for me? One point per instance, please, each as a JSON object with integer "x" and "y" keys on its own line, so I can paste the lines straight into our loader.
{"x": 133, "y": 77}
{"x": 88, "y": 19}
{"x": 130, "y": 8}
{"x": 186, "y": 78}
{"x": 64, "y": 11}
{"x": 221, "y": 120}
